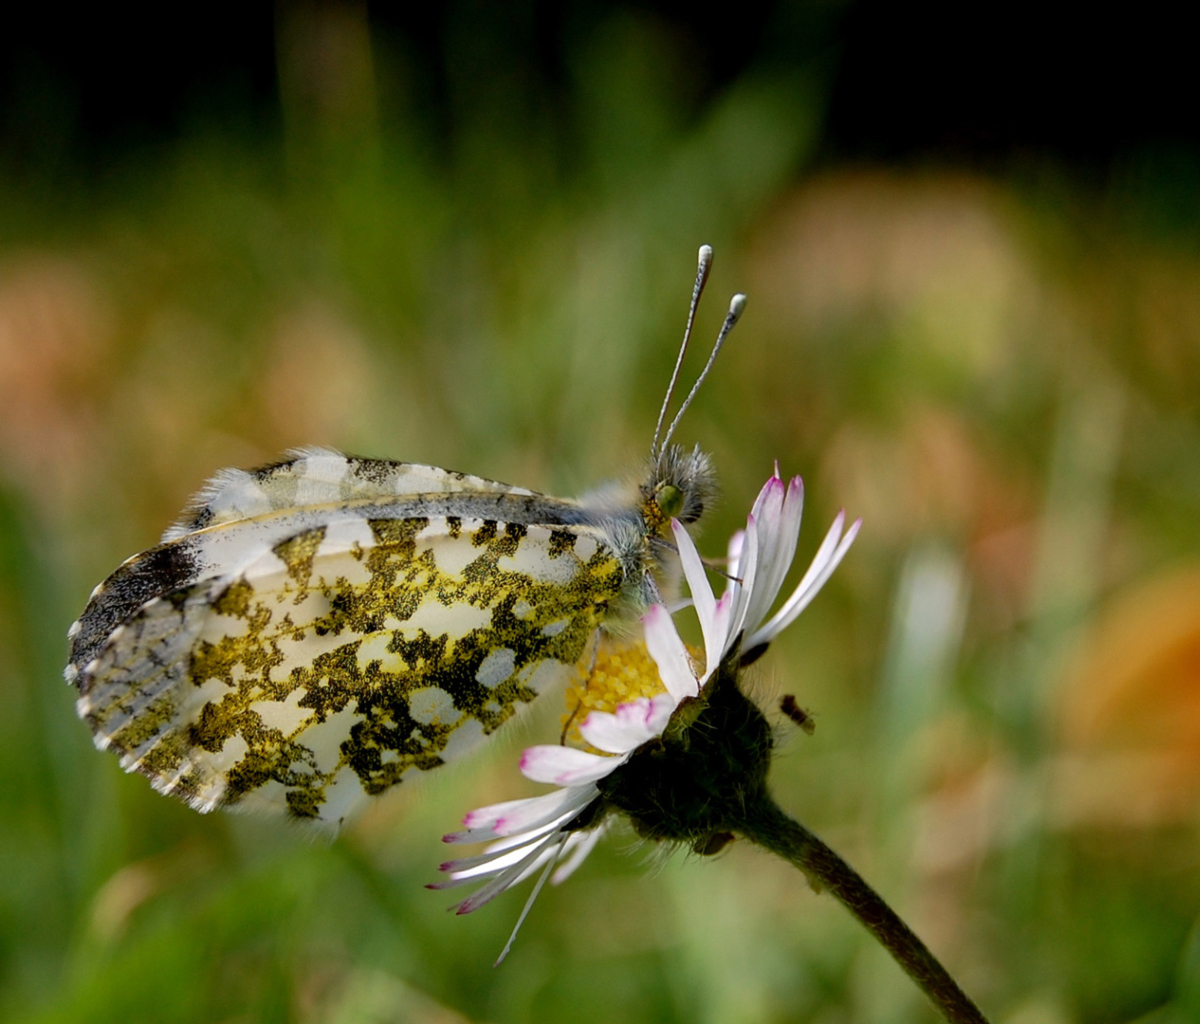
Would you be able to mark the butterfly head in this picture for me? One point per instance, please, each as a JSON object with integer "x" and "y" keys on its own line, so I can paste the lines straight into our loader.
{"x": 680, "y": 485}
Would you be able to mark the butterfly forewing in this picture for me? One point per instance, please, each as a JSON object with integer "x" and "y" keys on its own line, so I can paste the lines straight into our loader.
{"x": 304, "y": 659}
{"x": 319, "y": 476}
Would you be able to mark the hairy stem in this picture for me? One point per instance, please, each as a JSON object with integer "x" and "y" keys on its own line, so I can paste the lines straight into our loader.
{"x": 769, "y": 827}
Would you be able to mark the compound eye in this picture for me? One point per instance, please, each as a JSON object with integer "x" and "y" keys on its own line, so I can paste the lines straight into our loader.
{"x": 669, "y": 499}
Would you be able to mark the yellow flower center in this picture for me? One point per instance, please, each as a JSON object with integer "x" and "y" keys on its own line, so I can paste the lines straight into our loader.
{"x": 624, "y": 671}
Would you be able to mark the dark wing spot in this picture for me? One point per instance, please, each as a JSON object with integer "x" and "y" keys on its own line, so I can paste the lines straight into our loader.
{"x": 561, "y": 541}
{"x": 270, "y": 469}
{"x": 161, "y": 570}
{"x": 485, "y": 534}
{"x": 202, "y": 518}
{"x": 375, "y": 471}
{"x": 398, "y": 532}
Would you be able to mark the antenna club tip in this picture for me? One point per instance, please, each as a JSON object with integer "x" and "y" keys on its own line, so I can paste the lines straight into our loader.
{"x": 736, "y": 305}
{"x": 705, "y": 255}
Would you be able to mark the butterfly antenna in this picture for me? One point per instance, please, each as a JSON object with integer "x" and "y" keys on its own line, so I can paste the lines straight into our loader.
{"x": 705, "y": 265}
{"x": 735, "y": 311}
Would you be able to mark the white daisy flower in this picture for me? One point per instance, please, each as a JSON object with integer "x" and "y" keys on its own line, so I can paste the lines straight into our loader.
{"x": 561, "y": 828}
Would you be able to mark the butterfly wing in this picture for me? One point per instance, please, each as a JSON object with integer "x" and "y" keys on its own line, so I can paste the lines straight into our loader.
{"x": 319, "y": 476}
{"x": 302, "y": 660}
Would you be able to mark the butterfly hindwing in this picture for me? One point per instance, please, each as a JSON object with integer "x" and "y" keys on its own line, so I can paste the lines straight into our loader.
{"x": 307, "y": 658}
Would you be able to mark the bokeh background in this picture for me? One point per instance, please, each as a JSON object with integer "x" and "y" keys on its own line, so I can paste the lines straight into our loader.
{"x": 465, "y": 235}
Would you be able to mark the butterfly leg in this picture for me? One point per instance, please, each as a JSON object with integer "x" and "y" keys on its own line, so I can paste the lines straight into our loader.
{"x": 562, "y": 740}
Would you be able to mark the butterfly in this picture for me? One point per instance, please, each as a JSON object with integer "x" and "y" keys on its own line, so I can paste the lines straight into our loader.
{"x": 313, "y": 632}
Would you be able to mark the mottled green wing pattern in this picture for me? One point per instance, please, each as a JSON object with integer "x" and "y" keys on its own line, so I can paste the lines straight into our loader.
{"x": 338, "y": 660}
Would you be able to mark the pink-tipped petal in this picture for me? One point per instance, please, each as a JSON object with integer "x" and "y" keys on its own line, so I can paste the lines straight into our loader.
{"x": 499, "y": 856}
{"x": 534, "y": 831}
{"x": 777, "y": 548}
{"x": 473, "y": 869}
{"x": 631, "y": 726}
{"x": 767, "y": 514}
{"x": 605, "y": 732}
{"x": 809, "y": 587}
{"x": 769, "y": 503}
{"x": 482, "y": 817}
{"x": 533, "y": 817}
{"x": 669, "y": 654}
{"x": 662, "y": 707}
{"x": 565, "y": 766}
{"x": 784, "y": 549}
{"x": 514, "y": 815}
{"x": 509, "y": 877}
{"x": 534, "y": 835}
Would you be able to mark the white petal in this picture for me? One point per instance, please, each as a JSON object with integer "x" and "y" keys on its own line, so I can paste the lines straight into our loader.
{"x": 768, "y": 506}
{"x": 742, "y": 594}
{"x": 706, "y": 605}
{"x": 694, "y": 572}
{"x": 529, "y": 904}
{"x": 810, "y": 585}
{"x": 823, "y": 555}
{"x": 778, "y": 532}
{"x": 512, "y": 816}
{"x": 510, "y": 876}
{"x": 669, "y": 654}
{"x": 579, "y": 849}
{"x": 578, "y": 798}
{"x": 471, "y": 869}
{"x": 565, "y": 766}
{"x": 662, "y": 707}
{"x": 631, "y": 726}
{"x": 494, "y": 851}
{"x": 734, "y": 554}
{"x": 538, "y": 815}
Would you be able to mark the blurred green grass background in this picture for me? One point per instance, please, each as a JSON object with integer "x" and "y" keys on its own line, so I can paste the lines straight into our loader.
{"x": 999, "y": 369}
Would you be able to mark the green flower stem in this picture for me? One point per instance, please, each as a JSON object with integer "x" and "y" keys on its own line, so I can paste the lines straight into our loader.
{"x": 769, "y": 827}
